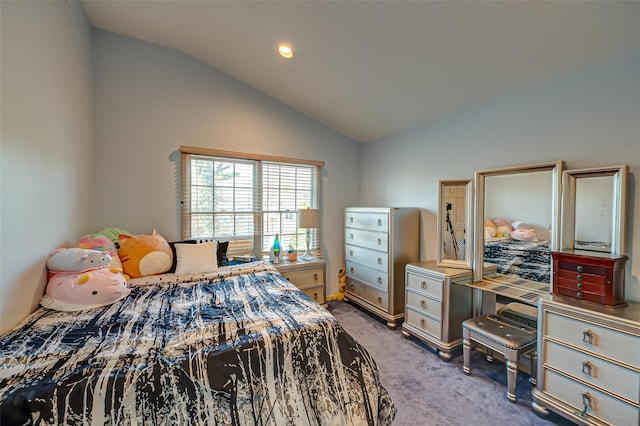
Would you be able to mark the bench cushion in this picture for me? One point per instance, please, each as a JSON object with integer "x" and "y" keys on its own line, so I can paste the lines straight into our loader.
{"x": 506, "y": 335}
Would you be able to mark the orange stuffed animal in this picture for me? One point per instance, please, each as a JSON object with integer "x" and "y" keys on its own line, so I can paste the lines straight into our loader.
{"x": 143, "y": 255}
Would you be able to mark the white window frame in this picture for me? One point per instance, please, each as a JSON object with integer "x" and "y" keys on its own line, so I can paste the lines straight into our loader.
{"x": 285, "y": 213}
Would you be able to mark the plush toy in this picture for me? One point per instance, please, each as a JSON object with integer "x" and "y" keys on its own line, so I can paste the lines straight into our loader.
{"x": 489, "y": 229}
{"x": 76, "y": 259}
{"x": 342, "y": 279}
{"x": 101, "y": 243}
{"x": 143, "y": 255}
{"x": 82, "y": 279}
{"x": 524, "y": 235}
{"x": 503, "y": 227}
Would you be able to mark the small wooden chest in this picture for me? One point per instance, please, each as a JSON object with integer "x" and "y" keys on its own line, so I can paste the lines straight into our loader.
{"x": 590, "y": 276}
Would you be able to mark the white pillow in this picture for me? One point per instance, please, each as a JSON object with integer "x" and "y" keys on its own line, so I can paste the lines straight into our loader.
{"x": 196, "y": 258}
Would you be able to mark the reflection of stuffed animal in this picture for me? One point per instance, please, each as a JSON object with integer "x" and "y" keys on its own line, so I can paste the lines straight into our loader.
{"x": 342, "y": 278}
{"x": 489, "y": 229}
{"x": 143, "y": 255}
{"x": 524, "y": 235}
{"x": 503, "y": 227}
{"x": 82, "y": 279}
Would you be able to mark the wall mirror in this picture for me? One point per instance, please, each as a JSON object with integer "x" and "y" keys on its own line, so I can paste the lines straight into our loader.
{"x": 594, "y": 205}
{"x": 528, "y": 197}
{"x": 455, "y": 223}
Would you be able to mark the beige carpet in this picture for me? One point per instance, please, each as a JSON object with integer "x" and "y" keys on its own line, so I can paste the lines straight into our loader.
{"x": 428, "y": 391}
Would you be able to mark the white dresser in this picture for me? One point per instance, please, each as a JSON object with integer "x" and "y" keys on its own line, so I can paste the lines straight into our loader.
{"x": 437, "y": 302}
{"x": 588, "y": 362}
{"x": 379, "y": 242}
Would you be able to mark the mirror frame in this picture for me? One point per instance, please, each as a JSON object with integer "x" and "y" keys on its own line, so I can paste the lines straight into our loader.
{"x": 618, "y": 206}
{"x": 467, "y": 263}
{"x": 556, "y": 169}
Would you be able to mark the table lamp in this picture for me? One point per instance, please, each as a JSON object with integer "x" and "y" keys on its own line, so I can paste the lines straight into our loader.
{"x": 308, "y": 218}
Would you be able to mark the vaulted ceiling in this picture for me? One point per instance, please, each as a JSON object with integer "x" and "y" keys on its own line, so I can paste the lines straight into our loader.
{"x": 369, "y": 69}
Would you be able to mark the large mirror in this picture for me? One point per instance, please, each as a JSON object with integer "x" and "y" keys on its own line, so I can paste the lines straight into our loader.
{"x": 517, "y": 225}
{"x": 594, "y": 205}
{"x": 455, "y": 223}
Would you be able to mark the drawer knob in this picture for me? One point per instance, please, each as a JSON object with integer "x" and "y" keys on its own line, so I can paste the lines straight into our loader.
{"x": 379, "y": 299}
{"x": 579, "y": 268}
{"x": 379, "y": 261}
{"x": 423, "y": 284}
{"x": 379, "y": 222}
{"x": 587, "y": 336}
{"x": 587, "y": 367}
{"x": 351, "y": 253}
{"x": 423, "y": 304}
{"x": 350, "y": 219}
{"x": 351, "y": 269}
{"x": 379, "y": 242}
{"x": 315, "y": 277}
{"x": 351, "y": 236}
{"x": 579, "y": 277}
{"x": 579, "y": 285}
{"x": 379, "y": 280}
{"x": 422, "y": 322}
{"x": 579, "y": 295}
{"x": 352, "y": 286}
{"x": 315, "y": 296}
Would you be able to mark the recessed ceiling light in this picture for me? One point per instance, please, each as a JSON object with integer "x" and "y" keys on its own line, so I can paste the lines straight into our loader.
{"x": 285, "y": 51}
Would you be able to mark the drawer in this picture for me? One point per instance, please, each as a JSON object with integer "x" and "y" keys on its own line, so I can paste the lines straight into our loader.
{"x": 371, "y": 221}
{"x": 614, "y": 378}
{"x": 581, "y": 294}
{"x": 368, "y": 239}
{"x": 306, "y": 278}
{"x": 422, "y": 284}
{"x": 424, "y": 304}
{"x": 372, "y": 295}
{"x": 423, "y": 322}
{"x": 598, "y": 280}
{"x": 582, "y": 268}
{"x": 370, "y": 276}
{"x": 579, "y": 285}
{"x": 372, "y": 258}
{"x": 316, "y": 293}
{"x": 604, "y": 341}
{"x": 604, "y": 407}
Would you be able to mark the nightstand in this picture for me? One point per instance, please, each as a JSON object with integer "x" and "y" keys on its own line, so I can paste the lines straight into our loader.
{"x": 307, "y": 275}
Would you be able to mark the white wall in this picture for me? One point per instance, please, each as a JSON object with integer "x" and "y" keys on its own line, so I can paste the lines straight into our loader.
{"x": 149, "y": 100}
{"x": 589, "y": 118}
{"x": 46, "y": 150}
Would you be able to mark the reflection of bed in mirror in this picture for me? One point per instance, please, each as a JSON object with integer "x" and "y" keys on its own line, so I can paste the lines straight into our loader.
{"x": 526, "y": 259}
{"x": 524, "y": 203}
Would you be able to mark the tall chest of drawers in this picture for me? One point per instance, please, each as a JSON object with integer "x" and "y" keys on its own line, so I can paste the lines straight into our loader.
{"x": 437, "y": 302}
{"x": 379, "y": 242}
{"x": 588, "y": 362}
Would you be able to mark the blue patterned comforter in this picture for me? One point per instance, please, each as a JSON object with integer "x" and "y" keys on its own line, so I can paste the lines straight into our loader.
{"x": 530, "y": 260}
{"x": 238, "y": 348}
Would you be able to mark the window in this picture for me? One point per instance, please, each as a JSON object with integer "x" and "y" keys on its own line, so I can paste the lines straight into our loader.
{"x": 248, "y": 199}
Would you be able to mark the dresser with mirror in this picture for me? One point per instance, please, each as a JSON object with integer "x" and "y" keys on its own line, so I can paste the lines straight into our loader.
{"x": 570, "y": 268}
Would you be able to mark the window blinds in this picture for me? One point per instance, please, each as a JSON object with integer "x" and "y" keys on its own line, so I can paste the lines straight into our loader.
{"x": 246, "y": 199}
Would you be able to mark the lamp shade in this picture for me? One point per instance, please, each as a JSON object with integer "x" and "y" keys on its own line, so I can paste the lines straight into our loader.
{"x": 308, "y": 218}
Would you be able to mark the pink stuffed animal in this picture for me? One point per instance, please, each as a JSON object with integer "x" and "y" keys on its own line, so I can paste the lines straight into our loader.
{"x": 82, "y": 279}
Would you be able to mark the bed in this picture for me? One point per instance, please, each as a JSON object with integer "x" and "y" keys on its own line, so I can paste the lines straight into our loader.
{"x": 241, "y": 346}
{"x": 530, "y": 260}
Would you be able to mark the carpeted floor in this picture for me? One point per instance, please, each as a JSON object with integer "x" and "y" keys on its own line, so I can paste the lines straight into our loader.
{"x": 428, "y": 391}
